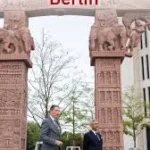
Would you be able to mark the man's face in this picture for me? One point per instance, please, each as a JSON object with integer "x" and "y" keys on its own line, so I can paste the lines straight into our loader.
{"x": 94, "y": 125}
{"x": 55, "y": 112}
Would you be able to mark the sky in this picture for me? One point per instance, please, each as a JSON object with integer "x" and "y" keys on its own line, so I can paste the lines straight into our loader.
{"x": 73, "y": 33}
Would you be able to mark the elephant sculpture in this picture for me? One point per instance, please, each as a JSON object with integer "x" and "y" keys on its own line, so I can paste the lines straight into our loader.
{"x": 135, "y": 34}
{"x": 108, "y": 38}
{"x": 27, "y": 39}
{"x": 16, "y": 40}
{"x": 8, "y": 40}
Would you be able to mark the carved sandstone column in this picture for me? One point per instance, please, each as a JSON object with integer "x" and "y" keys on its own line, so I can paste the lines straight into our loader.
{"x": 14, "y": 64}
{"x": 107, "y": 51}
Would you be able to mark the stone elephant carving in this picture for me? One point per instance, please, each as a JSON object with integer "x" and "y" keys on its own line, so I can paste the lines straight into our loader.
{"x": 16, "y": 40}
{"x": 135, "y": 36}
{"x": 8, "y": 40}
{"x": 111, "y": 38}
{"x": 93, "y": 38}
{"x": 27, "y": 39}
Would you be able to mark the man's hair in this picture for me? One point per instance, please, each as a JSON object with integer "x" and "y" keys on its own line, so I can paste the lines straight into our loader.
{"x": 92, "y": 121}
{"x": 52, "y": 107}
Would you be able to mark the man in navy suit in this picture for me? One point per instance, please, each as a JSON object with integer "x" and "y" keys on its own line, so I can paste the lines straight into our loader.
{"x": 93, "y": 139}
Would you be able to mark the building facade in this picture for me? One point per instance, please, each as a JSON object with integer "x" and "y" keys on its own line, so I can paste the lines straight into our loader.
{"x": 141, "y": 62}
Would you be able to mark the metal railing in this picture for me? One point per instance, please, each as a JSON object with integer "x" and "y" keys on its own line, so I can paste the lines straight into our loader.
{"x": 38, "y": 146}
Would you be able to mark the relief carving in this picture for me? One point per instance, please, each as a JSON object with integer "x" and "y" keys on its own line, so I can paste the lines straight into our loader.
{"x": 114, "y": 77}
{"x": 10, "y": 98}
{"x": 15, "y": 41}
{"x": 108, "y": 97}
{"x": 16, "y": 3}
{"x": 110, "y": 136}
{"x": 106, "y": 18}
{"x": 104, "y": 135}
{"x": 26, "y": 38}
{"x": 10, "y": 131}
{"x": 134, "y": 36}
{"x": 25, "y": 105}
{"x": 23, "y": 143}
{"x": 10, "y": 112}
{"x": 107, "y": 35}
{"x": 15, "y": 37}
{"x": 109, "y": 115}
{"x": 117, "y": 136}
{"x": 110, "y": 3}
{"x": 108, "y": 39}
{"x": 102, "y": 78}
{"x": 102, "y": 96}
{"x": 98, "y": 114}
{"x": 135, "y": 24}
{"x": 15, "y": 20}
{"x": 115, "y": 97}
{"x": 108, "y": 77}
{"x": 108, "y": 63}
{"x": 103, "y": 115}
{"x": 116, "y": 118}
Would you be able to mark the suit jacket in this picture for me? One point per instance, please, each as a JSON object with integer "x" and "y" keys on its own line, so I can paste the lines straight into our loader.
{"x": 49, "y": 134}
{"x": 91, "y": 141}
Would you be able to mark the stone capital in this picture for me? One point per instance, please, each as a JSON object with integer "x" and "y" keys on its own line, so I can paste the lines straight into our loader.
{"x": 16, "y": 41}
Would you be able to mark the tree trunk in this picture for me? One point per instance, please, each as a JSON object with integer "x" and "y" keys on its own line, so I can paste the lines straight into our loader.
{"x": 134, "y": 135}
{"x": 73, "y": 124}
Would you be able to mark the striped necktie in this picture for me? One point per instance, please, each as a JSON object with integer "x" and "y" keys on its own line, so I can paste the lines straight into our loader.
{"x": 57, "y": 124}
{"x": 97, "y": 136}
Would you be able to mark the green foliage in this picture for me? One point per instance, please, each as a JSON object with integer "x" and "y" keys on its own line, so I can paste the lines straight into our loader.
{"x": 133, "y": 109}
{"x": 79, "y": 110}
{"x": 33, "y": 133}
{"x": 69, "y": 139}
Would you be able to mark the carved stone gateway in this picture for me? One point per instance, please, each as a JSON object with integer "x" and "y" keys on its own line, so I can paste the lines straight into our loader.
{"x": 107, "y": 51}
{"x": 109, "y": 43}
{"x": 15, "y": 46}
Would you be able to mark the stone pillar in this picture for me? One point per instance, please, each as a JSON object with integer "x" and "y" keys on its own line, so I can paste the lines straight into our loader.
{"x": 107, "y": 53}
{"x": 108, "y": 100}
{"x": 14, "y": 64}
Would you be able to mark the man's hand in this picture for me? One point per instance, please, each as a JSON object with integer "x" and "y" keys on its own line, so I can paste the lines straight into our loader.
{"x": 59, "y": 143}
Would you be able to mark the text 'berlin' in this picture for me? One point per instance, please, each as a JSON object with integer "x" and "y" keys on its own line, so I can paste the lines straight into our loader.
{"x": 74, "y": 2}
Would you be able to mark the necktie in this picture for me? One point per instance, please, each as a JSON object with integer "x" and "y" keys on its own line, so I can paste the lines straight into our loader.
{"x": 57, "y": 124}
{"x": 97, "y": 136}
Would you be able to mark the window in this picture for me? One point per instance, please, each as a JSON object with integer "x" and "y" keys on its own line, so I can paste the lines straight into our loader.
{"x": 142, "y": 64}
{"x": 145, "y": 33}
{"x": 144, "y": 97}
{"x": 141, "y": 42}
{"x": 147, "y": 66}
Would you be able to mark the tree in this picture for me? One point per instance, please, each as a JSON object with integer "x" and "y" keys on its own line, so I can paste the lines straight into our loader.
{"x": 33, "y": 131}
{"x": 80, "y": 109}
{"x": 134, "y": 114}
{"x": 54, "y": 79}
{"x": 49, "y": 77}
{"x": 67, "y": 138}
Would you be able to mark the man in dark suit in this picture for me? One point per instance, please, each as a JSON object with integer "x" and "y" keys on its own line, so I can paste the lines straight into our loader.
{"x": 51, "y": 130}
{"x": 93, "y": 139}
